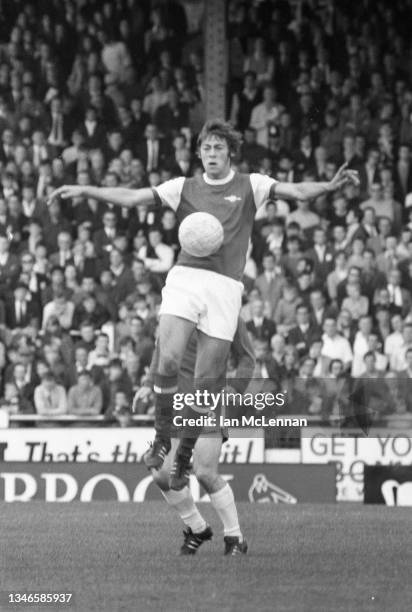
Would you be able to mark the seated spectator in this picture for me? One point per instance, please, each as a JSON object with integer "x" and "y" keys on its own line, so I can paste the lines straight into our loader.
{"x": 120, "y": 409}
{"x": 22, "y": 379}
{"x": 118, "y": 380}
{"x": 131, "y": 363}
{"x": 85, "y": 398}
{"x": 50, "y": 397}
{"x": 13, "y": 402}
{"x": 56, "y": 364}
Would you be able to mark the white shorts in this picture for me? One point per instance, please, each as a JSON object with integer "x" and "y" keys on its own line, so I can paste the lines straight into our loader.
{"x": 210, "y": 300}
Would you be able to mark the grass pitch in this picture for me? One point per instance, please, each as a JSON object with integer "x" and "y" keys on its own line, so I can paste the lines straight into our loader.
{"x": 124, "y": 557}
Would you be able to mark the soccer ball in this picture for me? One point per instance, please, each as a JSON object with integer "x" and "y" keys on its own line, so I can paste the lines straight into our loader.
{"x": 200, "y": 234}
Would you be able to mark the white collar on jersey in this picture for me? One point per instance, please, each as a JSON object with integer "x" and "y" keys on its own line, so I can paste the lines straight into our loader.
{"x": 222, "y": 181}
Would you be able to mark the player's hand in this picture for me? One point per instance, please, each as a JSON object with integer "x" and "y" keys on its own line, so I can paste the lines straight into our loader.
{"x": 141, "y": 395}
{"x": 343, "y": 177}
{"x": 64, "y": 192}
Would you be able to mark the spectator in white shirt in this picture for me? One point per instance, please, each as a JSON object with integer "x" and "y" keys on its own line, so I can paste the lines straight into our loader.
{"x": 361, "y": 345}
{"x": 157, "y": 256}
{"x": 115, "y": 56}
{"x": 399, "y": 358}
{"x": 335, "y": 346}
{"x": 61, "y": 308}
{"x": 381, "y": 361}
{"x": 394, "y": 342}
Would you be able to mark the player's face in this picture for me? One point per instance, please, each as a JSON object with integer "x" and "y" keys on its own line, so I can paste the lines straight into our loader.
{"x": 215, "y": 156}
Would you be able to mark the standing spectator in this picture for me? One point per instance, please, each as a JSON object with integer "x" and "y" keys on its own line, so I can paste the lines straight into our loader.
{"x": 22, "y": 310}
{"x": 334, "y": 345}
{"x": 153, "y": 151}
{"x": 305, "y": 333}
{"x": 270, "y": 284}
{"x": 9, "y": 265}
{"x": 115, "y": 56}
{"x": 260, "y": 326}
{"x": 158, "y": 257}
{"x": 61, "y": 308}
{"x": 244, "y": 101}
{"x": 265, "y": 114}
{"x": 171, "y": 117}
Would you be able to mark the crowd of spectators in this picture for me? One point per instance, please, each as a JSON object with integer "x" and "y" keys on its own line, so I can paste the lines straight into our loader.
{"x": 112, "y": 93}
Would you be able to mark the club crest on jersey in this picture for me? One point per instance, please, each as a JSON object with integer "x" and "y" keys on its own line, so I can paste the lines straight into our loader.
{"x": 232, "y": 198}
{"x": 263, "y": 491}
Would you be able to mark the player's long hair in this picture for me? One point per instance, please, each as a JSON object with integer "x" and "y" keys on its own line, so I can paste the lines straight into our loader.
{"x": 225, "y": 131}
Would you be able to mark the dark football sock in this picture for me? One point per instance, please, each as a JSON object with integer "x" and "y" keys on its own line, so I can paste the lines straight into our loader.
{"x": 164, "y": 388}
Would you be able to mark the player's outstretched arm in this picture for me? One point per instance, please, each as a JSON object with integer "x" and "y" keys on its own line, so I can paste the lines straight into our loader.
{"x": 309, "y": 190}
{"x": 115, "y": 195}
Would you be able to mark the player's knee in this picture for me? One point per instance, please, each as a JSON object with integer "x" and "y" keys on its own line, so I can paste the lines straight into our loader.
{"x": 207, "y": 476}
{"x": 169, "y": 365}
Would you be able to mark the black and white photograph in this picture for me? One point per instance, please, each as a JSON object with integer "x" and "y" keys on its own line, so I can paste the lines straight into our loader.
{"x": 205, "y": 305}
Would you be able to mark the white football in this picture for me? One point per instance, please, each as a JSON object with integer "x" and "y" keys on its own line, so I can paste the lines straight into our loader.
{"x": 200, "y": 234}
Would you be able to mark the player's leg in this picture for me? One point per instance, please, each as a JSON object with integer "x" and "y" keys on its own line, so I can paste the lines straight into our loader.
{"x": 197, "y": 530}
{"x": 174, "y": 334}
{"x": 210, "y": 369}
{"x": 205, "y": 466}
